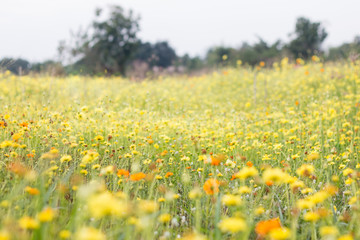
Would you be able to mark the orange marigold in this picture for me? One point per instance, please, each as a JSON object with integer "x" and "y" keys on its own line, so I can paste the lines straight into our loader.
{"x": 123, "y": 172}
{"x": 137, "y": 176}
{"x": 264, "y": 227}
{"x": 168, "y": 174}
{"x": 211, "y": 186}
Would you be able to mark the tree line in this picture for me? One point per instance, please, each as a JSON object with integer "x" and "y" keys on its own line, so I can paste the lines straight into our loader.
{"x": 111, "y": 46}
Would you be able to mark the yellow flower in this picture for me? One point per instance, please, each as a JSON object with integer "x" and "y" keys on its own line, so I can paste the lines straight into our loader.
{"x": 304, "y": 204}
{"x": 148, "y": 206}
{"x": 305, "y": 170}
{"x": 348, "y": 171}
{"x": 319, "y": 197}
{"x": 65, "y": 158}
{"x": 259, "y": 210}
{"x": 280, "y": 233}
{"x": 164, "y": 218}
{"x": 195, "y": 193}
{"x": 231, "y": 200}
{"x": 313, "y": 156}
{"x": 232, "y": 225}
{"x": 28, "y": 223}
{"x": 328, "y": 231}
{"x": 4, "y": 235}
{"x": 311, "y": 217}
{"x": 107, "y": 170}
{"x": 246, "y": 172}
{"x": 244, "y": 190}
{"x": 349, "y": 181}
{"x": 105, "y": 204}
{"x": 89, "y": 233}
{"x": 352, "y": 200}
{"x": 274, "y": 176}
{"x": 64, "y": 234}
{"x": 193, "y": 236}
{"x": 346, "y": 237}
{"x": 46, "y": 215}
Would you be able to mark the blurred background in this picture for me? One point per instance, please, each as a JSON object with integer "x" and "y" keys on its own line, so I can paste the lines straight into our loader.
{"x": 145, "y": 38}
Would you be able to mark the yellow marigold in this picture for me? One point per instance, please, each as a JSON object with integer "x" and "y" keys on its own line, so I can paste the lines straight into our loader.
{"x": 311, "y": 216}
{"x": 46, "y": 215}
{"x": 231, "y": 200}
{"x": 105, "y": 204}
{"x": 304, "y": 204}
{"x": 244, "y": 190}
{"x": 313, "y": 156}
{"x": 232, "y": 225}
{"x": 274, "y": 176}
{"x": 305, "y": 170}
{"x": 89, "y": 233}
{"x": 28, "y": 223}
{"x": 246, "y": 172}
{"x": 65, "y": 158}
{"x": 328, "y": 231}
{"x": 346, "y": 237}
{"x": 348, "y": 171}
{"x": 148, "y": 206}
{"x": 319, "y": 197}
{"x": 259, "y": 210}
{"x": 65, "y": 234}
{"x": 280, "y": 233}
{"x": 352, "y": 200}
{"x": 4, "y": 235}
{"x": 195, "y": 193}
{"x": 164, "y": 218}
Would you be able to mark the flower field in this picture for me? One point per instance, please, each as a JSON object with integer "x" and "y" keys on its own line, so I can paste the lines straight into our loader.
{"x": 269, "y": 153}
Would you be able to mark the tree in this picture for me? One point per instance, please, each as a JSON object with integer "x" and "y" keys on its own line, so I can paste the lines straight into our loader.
{"x": 345, "y": 51}
{"x": 260, "y": 51}
{"x": 111, "y": 43}
{"x": 220, "y": 56}
{"x": 16, "y": 66}
{"x": 160, "y": 54}
{"x": 308, "y": 40}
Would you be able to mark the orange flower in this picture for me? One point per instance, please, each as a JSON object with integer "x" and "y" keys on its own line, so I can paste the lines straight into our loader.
{"x": 168, "y": 174}
{"x": 211, "y": 186}
{"x": 18, "y": 168}
{"x": 264, "y": 227}
{"x": 2, "y": 124}
{"x": 249, "y": 164}
{"x": 123, "y": 172}
{"x": 23, "y": 124}
{"x": 269, "y": 183}
{"x": 32, "y": 191}
{"x": 137, "y": 176}
{"x": 30, "y": 155}
{"x": 217, "y": 159}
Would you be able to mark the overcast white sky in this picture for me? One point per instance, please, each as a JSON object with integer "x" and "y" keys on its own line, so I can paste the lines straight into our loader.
{"x": 32, "y": 29}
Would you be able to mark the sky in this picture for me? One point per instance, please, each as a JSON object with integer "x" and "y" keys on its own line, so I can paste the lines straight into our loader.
{"x": 32, "y": 29}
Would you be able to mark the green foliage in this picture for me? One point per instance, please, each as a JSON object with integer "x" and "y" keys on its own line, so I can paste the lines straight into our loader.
{"x": 345, "y": 51}
{"x": 249, "y": 54}
{"x": 16, "y": 66}
{"x": 160, "y": 54}
{"x": 309, "y": 36}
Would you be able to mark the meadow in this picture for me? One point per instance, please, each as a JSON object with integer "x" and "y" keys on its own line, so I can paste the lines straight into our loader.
{"x": 242, "y": 153}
